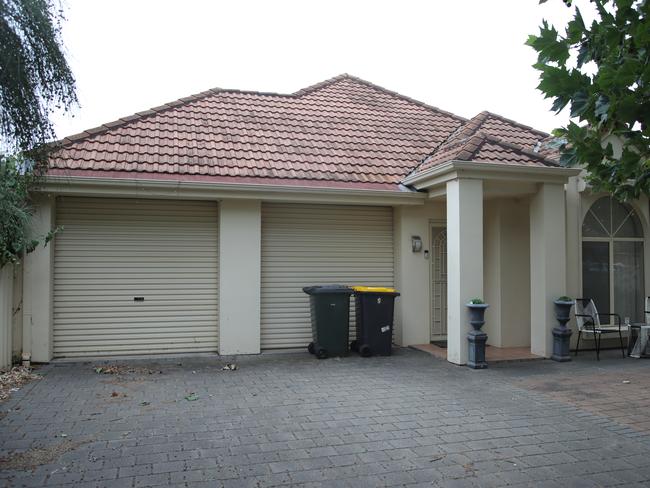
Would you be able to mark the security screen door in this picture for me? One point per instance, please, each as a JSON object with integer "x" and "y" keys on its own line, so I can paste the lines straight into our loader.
{"x": 438, "y": 283}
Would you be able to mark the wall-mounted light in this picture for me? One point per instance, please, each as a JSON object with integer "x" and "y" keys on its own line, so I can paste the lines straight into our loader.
{"x": 416, "y": 243}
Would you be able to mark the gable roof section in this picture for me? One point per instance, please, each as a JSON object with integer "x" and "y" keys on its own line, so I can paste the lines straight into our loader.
{"x": 504, "y": 129}
{"x": 341, "y": 132}
{"x": 481, "y": 147}
{"x": 489, "y": 137}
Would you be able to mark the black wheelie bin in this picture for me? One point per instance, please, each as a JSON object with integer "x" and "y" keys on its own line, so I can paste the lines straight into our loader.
{"x": 374, "y": 309}
{"x": 330, "y": 320}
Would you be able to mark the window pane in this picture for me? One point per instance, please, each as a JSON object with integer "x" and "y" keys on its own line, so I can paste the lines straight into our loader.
{"x": 602, "y": 210}
{"x": 628, "y": 280}
{"x": 592, "y": 228}
{"x": 630, "y": 227}
{"x": 595, "y": 274}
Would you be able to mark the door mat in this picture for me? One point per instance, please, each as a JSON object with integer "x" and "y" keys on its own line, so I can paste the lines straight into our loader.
{"x": 442, "y": 344}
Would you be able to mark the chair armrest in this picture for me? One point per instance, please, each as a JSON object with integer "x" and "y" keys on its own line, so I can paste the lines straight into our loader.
{"x": 615, "y": 315}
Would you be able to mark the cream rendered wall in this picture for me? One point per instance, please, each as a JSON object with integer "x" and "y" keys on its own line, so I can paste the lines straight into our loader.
{"x": 412, "y": 271}
{"x": 515, "y": 274}
{"x": 574, "y": 217}
{"x": 492, "y": 271}
{"x": 240, "y": 274}
{"x": 38, "y": 286}
{"x": 6, "y": 304}
{"x": 17, "y": 312}
{"x": 547, "y": 263}
{"x": 507, "y": 272}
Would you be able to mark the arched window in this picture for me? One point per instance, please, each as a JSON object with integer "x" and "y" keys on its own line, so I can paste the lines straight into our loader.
{"x": 612, "y": 259}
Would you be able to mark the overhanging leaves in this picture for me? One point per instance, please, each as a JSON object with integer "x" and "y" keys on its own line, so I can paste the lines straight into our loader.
{"x": 610, "y": 104}
{"x": 35, "y": 78}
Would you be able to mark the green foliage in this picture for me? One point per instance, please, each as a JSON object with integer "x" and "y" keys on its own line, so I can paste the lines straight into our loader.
{"x": 16, "y": 180}
{"x": 476, "y": 301}
{"x": 602, "y": 72}
{"x": 35, "y": 78}
{"x": 565, "y": 298}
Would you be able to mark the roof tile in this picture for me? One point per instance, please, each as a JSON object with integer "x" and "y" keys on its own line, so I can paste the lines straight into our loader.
{"x": 343, "y": 131}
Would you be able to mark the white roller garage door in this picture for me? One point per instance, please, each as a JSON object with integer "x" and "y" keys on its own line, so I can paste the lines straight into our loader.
{"x": 317, "y": 244}
{"x": 135, "y": 277}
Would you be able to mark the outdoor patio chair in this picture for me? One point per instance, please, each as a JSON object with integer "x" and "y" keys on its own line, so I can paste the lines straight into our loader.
{"x": 588, "y": 320}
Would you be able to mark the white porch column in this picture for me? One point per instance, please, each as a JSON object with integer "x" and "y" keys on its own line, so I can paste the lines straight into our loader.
{"x": 239, "y": 276}
{"x": 38, "y": 285}
{"x": 464, "y": 260}
{"x": 547, "y": 263}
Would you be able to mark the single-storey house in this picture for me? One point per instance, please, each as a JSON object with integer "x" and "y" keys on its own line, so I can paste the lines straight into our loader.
{"x": 193, "y": 227}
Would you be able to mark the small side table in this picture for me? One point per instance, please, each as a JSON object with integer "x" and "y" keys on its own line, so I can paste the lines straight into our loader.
{"x": 637, "y": 343}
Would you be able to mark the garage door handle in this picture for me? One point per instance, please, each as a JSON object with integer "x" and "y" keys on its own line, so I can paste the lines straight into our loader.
{"x": 138, "y": 299}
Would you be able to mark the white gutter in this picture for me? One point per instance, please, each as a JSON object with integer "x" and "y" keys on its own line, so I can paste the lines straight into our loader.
{"x": 194, "y": 190}
{"x": 495, "y": 171}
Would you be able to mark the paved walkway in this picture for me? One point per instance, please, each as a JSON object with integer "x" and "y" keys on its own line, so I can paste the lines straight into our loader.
{"x": 492, "y": 354}
{"x": 406, "y": 420}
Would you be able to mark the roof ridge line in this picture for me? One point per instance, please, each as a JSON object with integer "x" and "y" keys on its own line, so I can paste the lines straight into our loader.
{"x": 158, "y": 109}
{"x": 478, "y": 138}
{"x": 443, "y": 143}
{"x": 347, "y": 76}
{"x": 519, "y": 149}
{"x": 406, "y": 97}
{"x": 321, "y": 84}
{"x": 215, "y": 91}
{"x": 514, "y": 122}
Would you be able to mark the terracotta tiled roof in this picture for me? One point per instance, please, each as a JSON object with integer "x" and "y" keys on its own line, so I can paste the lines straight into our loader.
{"x": 502, "y": 128}
{"x": 343, "y": 130}
{"x": 547, "y": 147}
{"x": 489, "y": 137}
{"x": 481, "y": 147}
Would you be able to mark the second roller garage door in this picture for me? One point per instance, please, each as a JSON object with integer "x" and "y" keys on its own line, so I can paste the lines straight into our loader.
{"x": 317, "y": 244}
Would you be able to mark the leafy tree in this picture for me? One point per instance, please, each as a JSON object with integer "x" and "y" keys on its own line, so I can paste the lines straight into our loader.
{"x": 35, "y": 80}
{"x": 15, "y": 211}
{"x": 602, "y": 71}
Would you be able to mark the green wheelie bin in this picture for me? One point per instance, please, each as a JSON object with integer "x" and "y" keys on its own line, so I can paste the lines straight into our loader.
{"x": 330, "y": 320}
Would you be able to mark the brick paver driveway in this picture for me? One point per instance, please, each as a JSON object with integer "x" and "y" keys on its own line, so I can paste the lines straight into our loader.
{"x": 409, "y": 419}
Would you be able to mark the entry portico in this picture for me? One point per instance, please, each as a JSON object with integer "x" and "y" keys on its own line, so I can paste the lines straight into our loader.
{"x": 486, "y": 250}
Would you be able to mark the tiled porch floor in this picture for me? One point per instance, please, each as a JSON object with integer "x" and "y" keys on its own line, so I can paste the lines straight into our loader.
{"x": 492, "y": 354}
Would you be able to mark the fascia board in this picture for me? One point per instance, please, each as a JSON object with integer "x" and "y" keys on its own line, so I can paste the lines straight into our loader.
{"x": 495, "y": 171}
{"x": 142, "y": 188}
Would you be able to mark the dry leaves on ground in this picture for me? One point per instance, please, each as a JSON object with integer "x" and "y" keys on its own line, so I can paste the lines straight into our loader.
{"x": 118, "y": 369}
{"x": 14, "y": 379}
{"x": 33, "y": 458}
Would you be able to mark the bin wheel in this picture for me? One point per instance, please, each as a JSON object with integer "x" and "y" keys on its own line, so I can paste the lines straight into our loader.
{"x": 321, "y": 353}
{"x": 310, "y": 348}
{"x": 365, "y": 351}
{"x": 354, "y": 346}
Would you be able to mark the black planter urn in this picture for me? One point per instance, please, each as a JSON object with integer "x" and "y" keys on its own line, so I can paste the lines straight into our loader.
{"x": 476, "y": 338}
{"x": 562, "y": 334}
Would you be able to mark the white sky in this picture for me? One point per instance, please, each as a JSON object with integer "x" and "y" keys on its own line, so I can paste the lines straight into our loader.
{"x": 463, "y": 56}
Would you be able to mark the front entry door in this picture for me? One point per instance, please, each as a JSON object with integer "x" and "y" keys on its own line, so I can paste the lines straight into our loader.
{"x": 439, "y": 283}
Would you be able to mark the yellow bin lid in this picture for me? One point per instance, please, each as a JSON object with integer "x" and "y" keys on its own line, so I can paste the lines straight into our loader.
{"x": 373, "y": 289}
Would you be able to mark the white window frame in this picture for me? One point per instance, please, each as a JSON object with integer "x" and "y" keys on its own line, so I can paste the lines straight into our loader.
{"x": 610, "y": 240}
